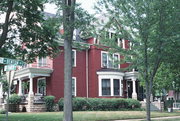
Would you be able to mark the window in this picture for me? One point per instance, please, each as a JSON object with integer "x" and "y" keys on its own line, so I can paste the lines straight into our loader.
{"x": 41, "y": 87}
{"x": 104, "y": 59}
{"x": 116, "y": 61}
{"x": 110, "y": 86}
{"x": 109, "y": 60}
{"x": 116, "y": 86}
{"x": 106, "y": 88}
{"x": 42, "y": 61}
{"x": 74, "y": 58}
{"x": 74, "y": 86}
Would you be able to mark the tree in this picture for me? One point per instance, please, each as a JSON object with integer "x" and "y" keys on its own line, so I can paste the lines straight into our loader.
{"x": 71, "y": 16}
{"x": 25, "y": 33}
{"x": 151, "y": 26}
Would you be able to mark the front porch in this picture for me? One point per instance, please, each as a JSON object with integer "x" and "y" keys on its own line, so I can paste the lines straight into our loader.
{"x": 31, "y": 84}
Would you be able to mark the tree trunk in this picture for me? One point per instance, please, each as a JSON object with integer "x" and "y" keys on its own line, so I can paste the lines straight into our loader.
{"x": 68, "y": 26}
{"x": 67, "y": 81}
{"x": 6, "y": 23}
{"x": 148, "y": 113}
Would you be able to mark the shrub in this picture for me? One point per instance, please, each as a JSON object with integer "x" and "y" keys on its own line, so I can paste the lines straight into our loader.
{"x": 14, "y": 99}
{"x": 49, "y": 102}
{"x": 2, "y": 111}
{"x": 102, "y": 104}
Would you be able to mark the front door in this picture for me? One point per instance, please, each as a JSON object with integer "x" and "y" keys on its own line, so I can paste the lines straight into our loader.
{"x": 130, "y": 89}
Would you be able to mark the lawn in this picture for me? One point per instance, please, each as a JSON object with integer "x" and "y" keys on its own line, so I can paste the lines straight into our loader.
{"x": 84, "y": 116}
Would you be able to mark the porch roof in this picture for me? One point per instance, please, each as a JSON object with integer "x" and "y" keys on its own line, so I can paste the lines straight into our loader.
{"x": 35, "y": 72}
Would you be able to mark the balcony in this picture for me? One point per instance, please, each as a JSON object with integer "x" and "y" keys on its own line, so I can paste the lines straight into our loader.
{"x": 35, "y": 69}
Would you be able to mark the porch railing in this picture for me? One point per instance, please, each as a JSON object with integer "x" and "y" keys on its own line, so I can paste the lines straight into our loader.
{"x": 37, "y": 65}
{"x": 176, "y": 105}
{"x": 38, "y": 98}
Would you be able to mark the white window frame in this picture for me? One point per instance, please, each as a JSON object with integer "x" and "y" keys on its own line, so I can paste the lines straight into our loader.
{"x": 124, "y": 44}
{"x": 111, "y": 76}
{"x": 75, "y": 92}
{"x": 102, "y": 52}
{"x": 74, "y": 64}
{"x": 110, "y": 86}
{"x": 38, "y": 85}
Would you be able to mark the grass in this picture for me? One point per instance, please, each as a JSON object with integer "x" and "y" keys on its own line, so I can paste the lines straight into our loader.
{"x": 85, "y": 116}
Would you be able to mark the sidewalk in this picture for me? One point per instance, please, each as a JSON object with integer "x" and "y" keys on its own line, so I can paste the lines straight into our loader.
{"x": 159, "y": 118}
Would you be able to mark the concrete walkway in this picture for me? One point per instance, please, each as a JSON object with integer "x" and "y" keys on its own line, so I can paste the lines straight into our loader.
{"x": 159, "y": 118}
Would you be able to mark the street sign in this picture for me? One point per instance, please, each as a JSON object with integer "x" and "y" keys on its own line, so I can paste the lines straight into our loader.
{"x": 10, "y": 67}
{"x": 11, "y": 61}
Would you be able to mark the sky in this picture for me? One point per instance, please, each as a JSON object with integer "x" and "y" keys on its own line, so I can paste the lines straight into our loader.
{"x": 86, "y": 4}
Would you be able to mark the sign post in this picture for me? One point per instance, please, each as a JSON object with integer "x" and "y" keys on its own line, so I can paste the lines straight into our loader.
{"x": 10, "y": 67}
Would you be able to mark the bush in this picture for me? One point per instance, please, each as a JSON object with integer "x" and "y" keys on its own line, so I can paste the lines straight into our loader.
{"x": 2, "y": 111}
{"x": 14, "y": 99}
{"x": 102, "y": 104}
{"x": 49, "y": 102}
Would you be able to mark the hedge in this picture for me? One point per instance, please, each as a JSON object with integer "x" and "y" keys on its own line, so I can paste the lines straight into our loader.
{"x": 14, "y": 99}
{"x": 49, "y": 102}
{"x": 102, "y": 104}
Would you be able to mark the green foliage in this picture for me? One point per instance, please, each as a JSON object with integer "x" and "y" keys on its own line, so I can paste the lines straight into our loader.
{"x": 2, "y": 111}
{"x": 5, "y": 85}
{"x": 49, "y": 102}
{"x": 25, "y": 85}
{"x": 169, "y": 75}
{"x": 102, "y": 104}
{"x": 25, "y": 25}
{"x": 14, "y": 99}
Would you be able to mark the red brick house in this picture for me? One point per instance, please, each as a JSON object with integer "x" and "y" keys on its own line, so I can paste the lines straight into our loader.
{"x": 95, "y": 74}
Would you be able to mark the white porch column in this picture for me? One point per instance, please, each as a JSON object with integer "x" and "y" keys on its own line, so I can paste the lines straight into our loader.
{"x": 20, "y": 87}
{"x": 1, "y": 90}
{"x": 31, "y": 95}
{"x": 31, "y": 85}
{"x": 134, "y": 94}
{"x": 1, "y": 93}
{"x": 112, "y": 87}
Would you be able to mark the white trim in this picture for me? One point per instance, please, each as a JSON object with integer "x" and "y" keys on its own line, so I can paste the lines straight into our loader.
{"x": 123, "y": 43}
{"x": 75, "y": 92}
{"x": 74, "y": 64}
{"x": 112, "y": 86}
{"x": 38, "y": 85}
{"x": 102, "y": 58}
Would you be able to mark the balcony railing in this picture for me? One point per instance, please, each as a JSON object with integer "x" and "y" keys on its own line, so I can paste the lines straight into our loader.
{"x": 37, "y": 65}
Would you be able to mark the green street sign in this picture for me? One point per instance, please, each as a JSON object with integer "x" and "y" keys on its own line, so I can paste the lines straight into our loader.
{"x": 8, "y": 61}
{"x": 10, "y": 67}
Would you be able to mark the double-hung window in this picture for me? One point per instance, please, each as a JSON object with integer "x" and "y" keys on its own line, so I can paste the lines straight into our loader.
{"x": 109, "y": 60}
{"x": 106, "y": 87}
{"x": 74, "y": 58}
{"x": 73, "y": 86}
{"x": 41, "y": 88}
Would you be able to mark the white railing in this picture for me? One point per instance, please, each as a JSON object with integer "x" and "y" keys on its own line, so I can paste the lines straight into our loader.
{"x": 37, "y": 65}
{"x": 176, "y": 105}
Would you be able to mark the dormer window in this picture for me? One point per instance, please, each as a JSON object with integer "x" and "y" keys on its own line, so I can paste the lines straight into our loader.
{"x": 109, "y": 60}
